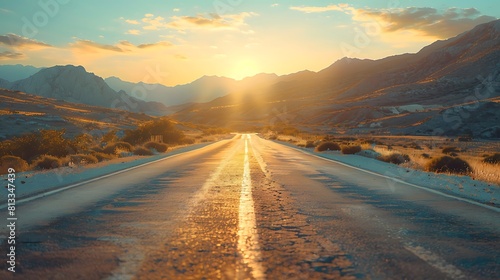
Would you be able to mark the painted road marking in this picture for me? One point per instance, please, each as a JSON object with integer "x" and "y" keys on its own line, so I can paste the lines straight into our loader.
{"x": 248, "y": 244}
{"x": 436, "y": 262}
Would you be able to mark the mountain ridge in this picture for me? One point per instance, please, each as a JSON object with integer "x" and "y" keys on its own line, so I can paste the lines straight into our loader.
{"x": 74, "y": 84}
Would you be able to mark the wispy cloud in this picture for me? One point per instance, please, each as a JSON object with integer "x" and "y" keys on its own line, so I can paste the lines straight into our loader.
{"x": 427, "y": 21}
{"x": 211, "y": 22}
{"x": 155, "y": 45}
{"x": 16, "y": 41}
{"x": 121, "y": 47}
{"x": 92, "y": 46}
{"x": 320, "y": 9}
{"x": 11, "y": 55}
{"x": 208, "y": 22}
{"x": 132, "y": 21}
{"x": 133, "y": 32}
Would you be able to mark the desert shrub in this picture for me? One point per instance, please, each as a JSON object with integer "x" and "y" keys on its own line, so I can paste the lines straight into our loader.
{"x": 465, "y": 138}
{"x": 97, "y": 149}
{"x": 415, "y": 146}
{"x": 47, "y": 162}
{"x": 450, "y": 150}
{"x": 395, "y": 158}
{"x": 17, "y": 163}
{"x": 80, "y": 143}
{"x": 103, "y": 156}
{"x": 349, "y": 150}
{"x": 114, "y": 148}
{"x": 493, "y": 159}
{"x": 187, "y": 141}
{"x": 273, "y": 137}
{"x": 310, "y": 144}
{"x": 425, "y": 155}
{"x": 163, "y": 127}
{"x": 83, "y": 159}
{"x": 109, "y": 137}
{"x": 447, "y": 164}
{"x": 142, "y": 151}
{"x": 159, "y": 147}
{"x": 45, "y": 142}
{"x": 328, "y": 146}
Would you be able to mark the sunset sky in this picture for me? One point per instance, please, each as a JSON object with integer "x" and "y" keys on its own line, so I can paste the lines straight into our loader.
{"x": 233, "y": 38}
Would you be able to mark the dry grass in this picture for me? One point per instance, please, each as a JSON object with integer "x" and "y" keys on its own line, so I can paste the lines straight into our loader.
{"x": 422, "y": 150}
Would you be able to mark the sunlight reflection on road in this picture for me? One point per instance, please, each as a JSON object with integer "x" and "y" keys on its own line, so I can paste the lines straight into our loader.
{"x": 247, "y": 232}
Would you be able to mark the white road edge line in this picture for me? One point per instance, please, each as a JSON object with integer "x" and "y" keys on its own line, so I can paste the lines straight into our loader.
{"x": 247, "y": 231}
{"x": 44, "y": 194}
{"x": 435, "y": 261}
{"x": 400, "y": 181}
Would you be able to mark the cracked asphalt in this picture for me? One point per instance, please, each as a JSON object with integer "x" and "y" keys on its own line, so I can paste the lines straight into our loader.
{"x": 249, "y": 208}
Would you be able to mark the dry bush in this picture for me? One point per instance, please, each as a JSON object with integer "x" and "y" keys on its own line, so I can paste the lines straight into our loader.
{"x": 97, "y": 149}
{"x": 82, "y": 159}
{"x": 115, "y": 148}
{"x": 142, "y": 151}
{"x": 103, "y": 156}
{"x": 350, "y": 150}
{"x": 159, "y": 147}
{"x": 415, "y": 146}
{"x": 328, "y": 146}
{"x": 450, "y": 150}
{"x": 47, "y": 162}
{"x": 446, "y": 164}
{"x": 395, "y": 158}
{"x": 187, "y": 141}
{"x": 493, "y": 159}
{"x": 310, "y": 144}
{"x": 17, "y": 163}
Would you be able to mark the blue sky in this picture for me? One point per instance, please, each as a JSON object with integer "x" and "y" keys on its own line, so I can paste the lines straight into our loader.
{"x": 234, "y": 38}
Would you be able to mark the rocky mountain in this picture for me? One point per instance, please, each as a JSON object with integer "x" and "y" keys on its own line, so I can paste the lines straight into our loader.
{"x": 16, "y": 72}
{"x": 4, "y": 83}
{"x": 74, "y": 84}
{"x": 419, "y": 93}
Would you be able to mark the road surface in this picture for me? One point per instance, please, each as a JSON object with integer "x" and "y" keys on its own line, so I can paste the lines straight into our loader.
{"x": 249, "y": 208}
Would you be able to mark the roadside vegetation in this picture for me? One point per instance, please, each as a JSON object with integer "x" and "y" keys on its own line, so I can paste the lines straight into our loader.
{"x": 478, "y": 159}
{"x": 47, "y": 149}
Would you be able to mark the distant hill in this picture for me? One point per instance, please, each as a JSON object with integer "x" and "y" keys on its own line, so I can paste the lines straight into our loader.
{"x": 13, "y": 73}
{"x": 204, "y": 89}
{"x": 431, "y": 92}
{"x": 74, "y": 84}
{"x": 22, "y": 113}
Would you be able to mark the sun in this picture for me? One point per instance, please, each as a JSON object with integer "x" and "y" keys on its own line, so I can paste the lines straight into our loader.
{"x": 244, "y": 68}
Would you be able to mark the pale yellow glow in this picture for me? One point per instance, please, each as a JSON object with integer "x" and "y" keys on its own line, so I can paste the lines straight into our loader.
{"x": 245, "y": 67}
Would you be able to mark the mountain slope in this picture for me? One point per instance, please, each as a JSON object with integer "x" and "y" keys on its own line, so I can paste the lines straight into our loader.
{"x": 4, "y": 83}
{"x": 17, "y": 72}
{"x": 397, "y": 94}
{"x": 74, "y": 84}
{"x": 22, "y": 113}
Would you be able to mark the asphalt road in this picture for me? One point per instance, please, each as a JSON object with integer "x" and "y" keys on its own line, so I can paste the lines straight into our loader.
{"x": 248, "y": 208}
